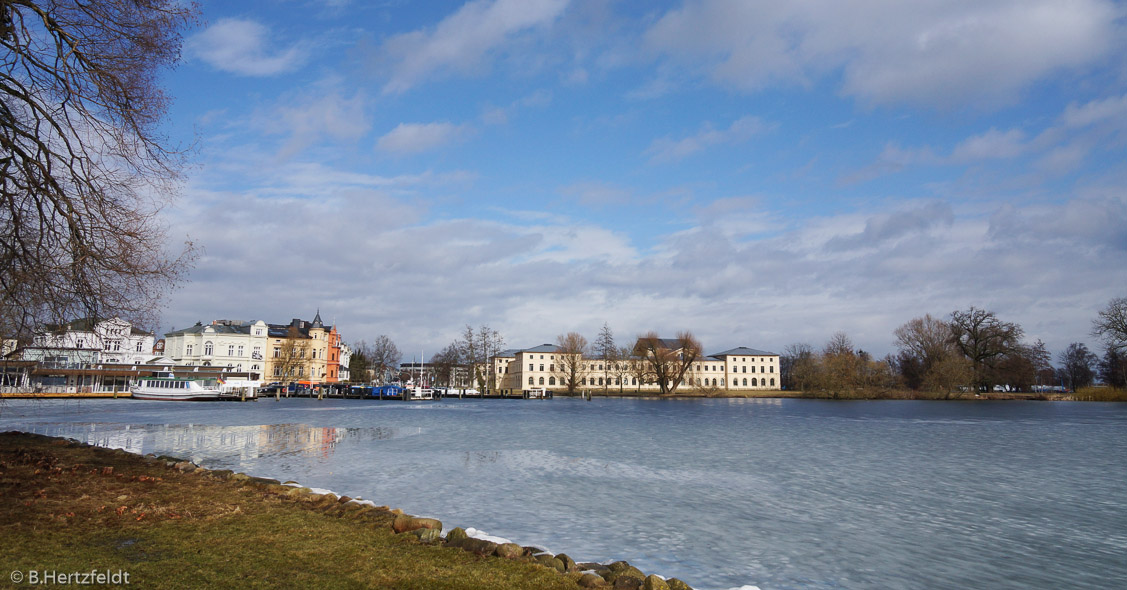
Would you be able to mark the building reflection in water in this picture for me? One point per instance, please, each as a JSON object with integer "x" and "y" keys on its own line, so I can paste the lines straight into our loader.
{"x": 231, "y": 445}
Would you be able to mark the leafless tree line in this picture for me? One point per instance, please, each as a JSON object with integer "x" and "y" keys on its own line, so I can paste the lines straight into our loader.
{"x": 971, "y": 350}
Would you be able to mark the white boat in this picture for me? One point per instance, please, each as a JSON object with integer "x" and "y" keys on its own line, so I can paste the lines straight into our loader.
{"x": 460, "y": 393}
{"x": 537, "y": 393}
{"x": 174, "y": 389}
{"x": 418, "y": 393}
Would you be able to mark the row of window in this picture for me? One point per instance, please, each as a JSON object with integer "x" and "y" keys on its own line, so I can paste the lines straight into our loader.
{"x": 634, "y": 381}
{"x": 552, "y": 368}
{"x": 109, "y": 345}
{"x": 209, "y": 349}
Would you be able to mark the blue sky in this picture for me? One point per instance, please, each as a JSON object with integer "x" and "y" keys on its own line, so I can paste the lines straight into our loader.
{"x": 760, "y": 173}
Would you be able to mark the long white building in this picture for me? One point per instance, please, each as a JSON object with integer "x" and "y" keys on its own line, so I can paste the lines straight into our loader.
{"x": 544, "y": 366}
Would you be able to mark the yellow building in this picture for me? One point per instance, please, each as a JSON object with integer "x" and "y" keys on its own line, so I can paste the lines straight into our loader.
{"x": 546, "y": 366}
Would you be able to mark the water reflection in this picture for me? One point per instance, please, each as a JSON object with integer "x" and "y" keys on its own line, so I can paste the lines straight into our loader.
{"x": 206, "y": 442}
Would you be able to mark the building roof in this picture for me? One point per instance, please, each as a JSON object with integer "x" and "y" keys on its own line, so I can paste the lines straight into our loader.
{"x": 199, "y": 328}
{"x": 543, "y": 348}
{"x": 670, "y": 343}
{"x": 512, "y": 352}
{"x": 742, "y": 351}
{"x": 88, "y": 324}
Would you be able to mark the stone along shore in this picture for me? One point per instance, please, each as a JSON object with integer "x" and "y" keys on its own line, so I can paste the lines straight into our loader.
{"x": 68, "y": 508}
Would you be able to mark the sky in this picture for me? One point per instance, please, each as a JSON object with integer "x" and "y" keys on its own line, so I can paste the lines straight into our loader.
{"x": 758, "y": 173}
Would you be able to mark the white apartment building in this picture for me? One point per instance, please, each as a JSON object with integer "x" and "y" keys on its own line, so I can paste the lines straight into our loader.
{"x": 222, "y": 343}
{"x": 112, "y": 341}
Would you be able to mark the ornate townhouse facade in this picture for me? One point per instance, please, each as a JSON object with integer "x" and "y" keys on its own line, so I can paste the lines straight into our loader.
{"x": 301, "y": 351}
{"x": 223, "y": 343}
{"x": 112, "y": 341}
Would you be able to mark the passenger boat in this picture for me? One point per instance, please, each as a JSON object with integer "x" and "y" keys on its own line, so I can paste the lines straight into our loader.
{"x": 174, "y": 389}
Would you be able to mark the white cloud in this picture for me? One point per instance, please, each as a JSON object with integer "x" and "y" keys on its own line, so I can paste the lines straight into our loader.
{"x": 989, "y": 145}
{"x": 940, "y": 54}
{"x": 462, "y": 42}
{"x": 241, "y": 46}
{"x": 670, "y": 150}
{"x": 1059, "y": 148}
{"x": 309, "y": 115}
{"x": 412, "y": 138}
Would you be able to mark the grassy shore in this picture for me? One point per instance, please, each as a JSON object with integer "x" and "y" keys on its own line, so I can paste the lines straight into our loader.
{"x": 69, "y": 507}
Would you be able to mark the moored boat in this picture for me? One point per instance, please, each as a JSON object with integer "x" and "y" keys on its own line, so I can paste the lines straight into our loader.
{"x": 176, "y": 389}
{"x": 420, "y": 393}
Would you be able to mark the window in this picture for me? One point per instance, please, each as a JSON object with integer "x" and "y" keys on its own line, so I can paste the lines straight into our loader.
{"x": 754, "y": 382}
{"x": 634, "y": 381}
{"x": 277, "y": 371}
{"x": 230, "y": 350}
{"x": 239, "y": 367}
{"x": 531, "y": 381}
{"x": 240, "y": 350}
{"x": 583, "y": 381}
{"x": 745, "y": 369}
{"x": 277, "y": 352}
{"x": 189, "y": 352}
{"x": 772, "y": 370}
{"x": 541, "y": 366}
{"x": 551, "y": 380}
{"x": 745, "y": 381}
{"x": 207, "y": 348}
{"x": 721, "y": 382}
{"x": 138, "y": 347}
{"x": 117, "y": 345}
{"x": 772, "y": 382}
{"x": 552, "y": 368}
{"x": 541, "y": 379}
{"x": 79, "y": 343}
{"x": 530, "y": 369}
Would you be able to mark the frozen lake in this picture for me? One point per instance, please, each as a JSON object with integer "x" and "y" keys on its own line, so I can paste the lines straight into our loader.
{"x": 779, "y": 494}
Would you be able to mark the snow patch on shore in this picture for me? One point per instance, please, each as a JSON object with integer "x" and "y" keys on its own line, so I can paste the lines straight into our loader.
{"x": 472, "y": 532}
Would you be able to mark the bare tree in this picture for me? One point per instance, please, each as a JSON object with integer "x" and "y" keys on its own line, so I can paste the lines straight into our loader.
{"x": 446, "y": 364}
{"x": 83, "y": 169}
{"x": 1113, "y": 368}
{"x": 841, "y": 366}
{"x": 1078, "y": 365}
{"x": 360, "y": 363}
{"x": 985, "y": 340}
{"x": 489, "y": 342}
{"x": 291, "y": 358}
{"x": 1111, "y": 325}
{"x": 798, "y": 366}
{"x": 924, "y": 344}
{"x": 605, "y": 349}
{"x": 571, "y": 347}
{"x": 477, "y": 348}
{"x": 622, "y": 366}
{"x": 470, "y": 351}
{"x": 668, "y": 359}
{"x": 384, "y": 356}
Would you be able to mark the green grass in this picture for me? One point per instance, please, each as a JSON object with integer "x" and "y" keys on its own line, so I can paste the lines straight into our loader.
{"x": 62, "y": 510}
